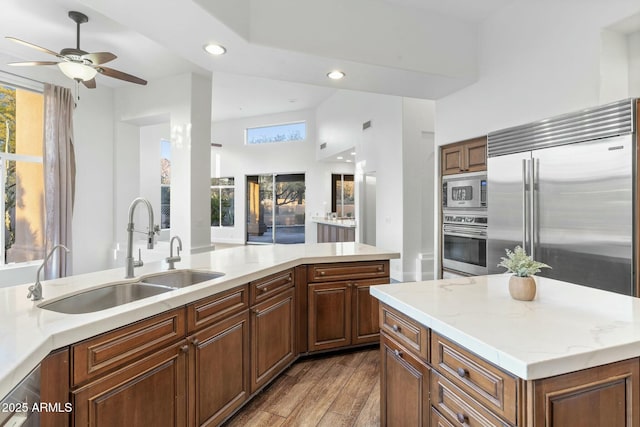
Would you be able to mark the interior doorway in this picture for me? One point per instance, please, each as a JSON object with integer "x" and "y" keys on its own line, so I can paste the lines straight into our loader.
{"x": 275, "y": 208}
{"x": 368, "y": 213}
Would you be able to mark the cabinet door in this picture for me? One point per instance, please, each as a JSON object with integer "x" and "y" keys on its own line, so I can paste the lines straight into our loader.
{"x": 475, "y": 155}
{"x": 329, "y": 309}
{"x": 219, "y": 370}
{"x": 602, "y": 396}
{"x": 148, "y": 392}
{"x": 272, "y": 337}
{"x": 404, "y": 391}
{"x": 366, "y": 312}
{"x": 452, "y": 160}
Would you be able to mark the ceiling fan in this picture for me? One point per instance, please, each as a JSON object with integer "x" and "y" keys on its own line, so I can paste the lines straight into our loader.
{"x": 76, "y": 63}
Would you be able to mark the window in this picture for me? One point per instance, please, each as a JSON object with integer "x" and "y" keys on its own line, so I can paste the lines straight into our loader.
{"x": 276, "y": 133}
{"x": 222, "y": 202}
{"x": 165, "y": 184}
{"x": 21, "y": 174}
{"x": 342, "y": 195}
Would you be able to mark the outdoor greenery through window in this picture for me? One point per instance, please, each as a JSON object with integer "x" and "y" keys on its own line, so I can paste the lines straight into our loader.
{"x": 276, "y": 133}
{"x": 165, "y": 184}
{"x": 343, "y": 195}
{"x": 21, "y": 174}
{"x": 222, "y": 202}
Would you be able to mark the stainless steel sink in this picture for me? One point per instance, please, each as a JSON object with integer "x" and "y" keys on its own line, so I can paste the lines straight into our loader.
{"x": 120, "y": 293}
{"x": 106, "y": 297}
{"x": 180, "y": 278}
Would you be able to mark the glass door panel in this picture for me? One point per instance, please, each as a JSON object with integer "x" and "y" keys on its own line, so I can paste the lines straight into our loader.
{"x": 282, "y": 194}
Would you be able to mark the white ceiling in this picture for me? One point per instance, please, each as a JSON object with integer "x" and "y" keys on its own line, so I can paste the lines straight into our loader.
{"x": 266, "y": 70}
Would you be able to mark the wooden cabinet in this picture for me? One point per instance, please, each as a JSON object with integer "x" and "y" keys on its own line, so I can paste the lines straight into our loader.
{"x": 404, "y": 389}
{"x": 218, "y": 368}
{"x": 219, "y": 380}
{"x": 464, "y": 156}
{"x": 148, "y": 392}
{"x": 272, "y": 337}
{"x": 606, "y": 395}
{"x": 467, "y": 390}
{"x": 341, "y": 312}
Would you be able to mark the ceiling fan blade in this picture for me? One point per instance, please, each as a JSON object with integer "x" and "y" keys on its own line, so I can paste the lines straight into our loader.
{"x": 90, "y": 84}
{"x": 41, "y": 49}
{"x": 30, "y": 63}
{"x": 110, "y": 72}
{"x": 98, "y": 58}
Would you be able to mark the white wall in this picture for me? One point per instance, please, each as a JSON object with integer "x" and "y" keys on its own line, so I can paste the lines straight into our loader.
{"x": 537, "y": 59}
{"x": 633, "y": 44}
{"x": 235, "y": 159}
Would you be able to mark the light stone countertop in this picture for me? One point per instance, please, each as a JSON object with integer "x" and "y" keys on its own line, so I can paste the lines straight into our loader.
{"x": 338, "y": 222}
{"x": 565, "y": 328}
{"x": 28, "y": 333}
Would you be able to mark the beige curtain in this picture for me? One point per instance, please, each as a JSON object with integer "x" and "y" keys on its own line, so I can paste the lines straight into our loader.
{"x": 59, "y": 177}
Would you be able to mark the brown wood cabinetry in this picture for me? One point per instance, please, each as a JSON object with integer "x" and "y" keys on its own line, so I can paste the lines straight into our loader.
{"x": 272, "y": 337}
{"x": 602, "y": 396}
{"x": 464, "y": 156}
{"x": 341, "y": 312}
{"x": 404, "y": 389}
{"x": 54, "y": 388}
{"x": 466, "y": 390}
{"x": 219, "y": 380}
{"x": 148, "y": 392}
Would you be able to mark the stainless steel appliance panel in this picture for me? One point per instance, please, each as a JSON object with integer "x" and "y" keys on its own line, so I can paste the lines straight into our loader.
{"x": 508, "y": 178}
{"x": 583, "y": 212}
{"x": 465, "y": 191}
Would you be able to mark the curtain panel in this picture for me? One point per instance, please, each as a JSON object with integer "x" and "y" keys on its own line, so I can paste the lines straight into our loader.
{"x": 59, "y": 177}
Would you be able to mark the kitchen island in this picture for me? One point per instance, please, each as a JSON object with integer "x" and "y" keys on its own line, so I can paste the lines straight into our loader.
{"x": 159, "y": 344}
{"x": 335, "y": 230}
{"x": 464, "y": 352}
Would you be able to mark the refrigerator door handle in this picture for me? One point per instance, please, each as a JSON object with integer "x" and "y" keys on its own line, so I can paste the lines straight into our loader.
{"x": 532, "y": 208}
{"x": 524, "y": 202}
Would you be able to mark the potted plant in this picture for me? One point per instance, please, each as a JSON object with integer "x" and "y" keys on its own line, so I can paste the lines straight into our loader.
{"x": 522, "y": 285}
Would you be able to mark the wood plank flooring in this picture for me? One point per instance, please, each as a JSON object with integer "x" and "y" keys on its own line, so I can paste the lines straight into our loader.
{"x": 337, "y": 390}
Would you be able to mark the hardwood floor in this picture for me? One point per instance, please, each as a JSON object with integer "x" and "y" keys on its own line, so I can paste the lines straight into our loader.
{"x": 337, "y": 390}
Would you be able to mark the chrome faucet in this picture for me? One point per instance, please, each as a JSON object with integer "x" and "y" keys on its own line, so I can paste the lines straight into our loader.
{"x": 153, "y": 229}
{"x": 35, "y": 290}
{"x": 173, "y": 259}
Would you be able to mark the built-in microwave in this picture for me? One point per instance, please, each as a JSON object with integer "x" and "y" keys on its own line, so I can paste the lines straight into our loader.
{"x": 464, "y": 191}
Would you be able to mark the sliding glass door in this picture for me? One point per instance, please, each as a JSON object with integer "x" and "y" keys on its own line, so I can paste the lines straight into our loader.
{"x": 275, "y": 208}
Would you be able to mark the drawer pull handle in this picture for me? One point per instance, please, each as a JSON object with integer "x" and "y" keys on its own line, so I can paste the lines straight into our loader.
{"x": 322, "y": 273}
{"x": 395, "y": 328}
{"x": 290, "y": 278}
{"x": 265, "y": 289}
{"x": 195, "y": 342}
{"x": 462, "y": 372}
{"x": 184, "y": 349}
{"x": 380, "y": 268}
{"x": 462, "y": 418}
{"x": 398, "y": 353}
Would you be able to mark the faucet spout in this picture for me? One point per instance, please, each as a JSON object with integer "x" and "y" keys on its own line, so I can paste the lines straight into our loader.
{"x": 171, "y": 260}
{"x": 153, "y": 229}
{"x": 35, "y": 290}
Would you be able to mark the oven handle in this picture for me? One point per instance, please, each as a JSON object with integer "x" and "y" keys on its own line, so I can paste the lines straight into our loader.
{"x": 466, "y": 233}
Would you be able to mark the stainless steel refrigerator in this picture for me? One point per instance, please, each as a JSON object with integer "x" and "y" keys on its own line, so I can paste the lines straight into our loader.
{"x": 563, "y": 188}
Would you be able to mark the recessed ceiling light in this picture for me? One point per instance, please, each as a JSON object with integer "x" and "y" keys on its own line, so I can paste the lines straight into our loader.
{"x": 340, "y": 157}
{"x": 348, "y": 161}
{"x": 336, "y": 75}
{"x": 215, "y": 49}
{"x": 353, "y": 153}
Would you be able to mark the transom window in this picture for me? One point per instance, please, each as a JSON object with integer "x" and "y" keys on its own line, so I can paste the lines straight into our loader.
{"x": 276, "y": 133}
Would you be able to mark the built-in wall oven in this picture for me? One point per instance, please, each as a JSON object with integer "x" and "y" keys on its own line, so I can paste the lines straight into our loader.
{"x": 464, "y": 241}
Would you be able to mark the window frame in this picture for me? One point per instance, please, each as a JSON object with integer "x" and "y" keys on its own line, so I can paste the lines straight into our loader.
{"x": 246, "y": 133}
{"x": 219, "y": 188}
{"x": 342, "y": 178}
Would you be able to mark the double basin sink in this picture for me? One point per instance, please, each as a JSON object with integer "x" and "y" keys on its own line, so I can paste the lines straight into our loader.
{"x": 119, "y": 293}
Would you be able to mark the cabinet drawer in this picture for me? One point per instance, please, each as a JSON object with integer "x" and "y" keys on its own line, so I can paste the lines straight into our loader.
{"x": 405, "y": 330}
{"x": 486, "y": 383}
{"x": 106, "y": 352}
{"x": 269, "y": 286}
{"x": 209, "y": 310}
{"x": 347, "y": 270}
{"x": 457, "y": 407}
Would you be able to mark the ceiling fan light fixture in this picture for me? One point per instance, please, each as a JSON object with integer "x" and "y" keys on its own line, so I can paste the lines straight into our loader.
{"x": 215, "y": 49}
{"x": 77, "y": 71}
